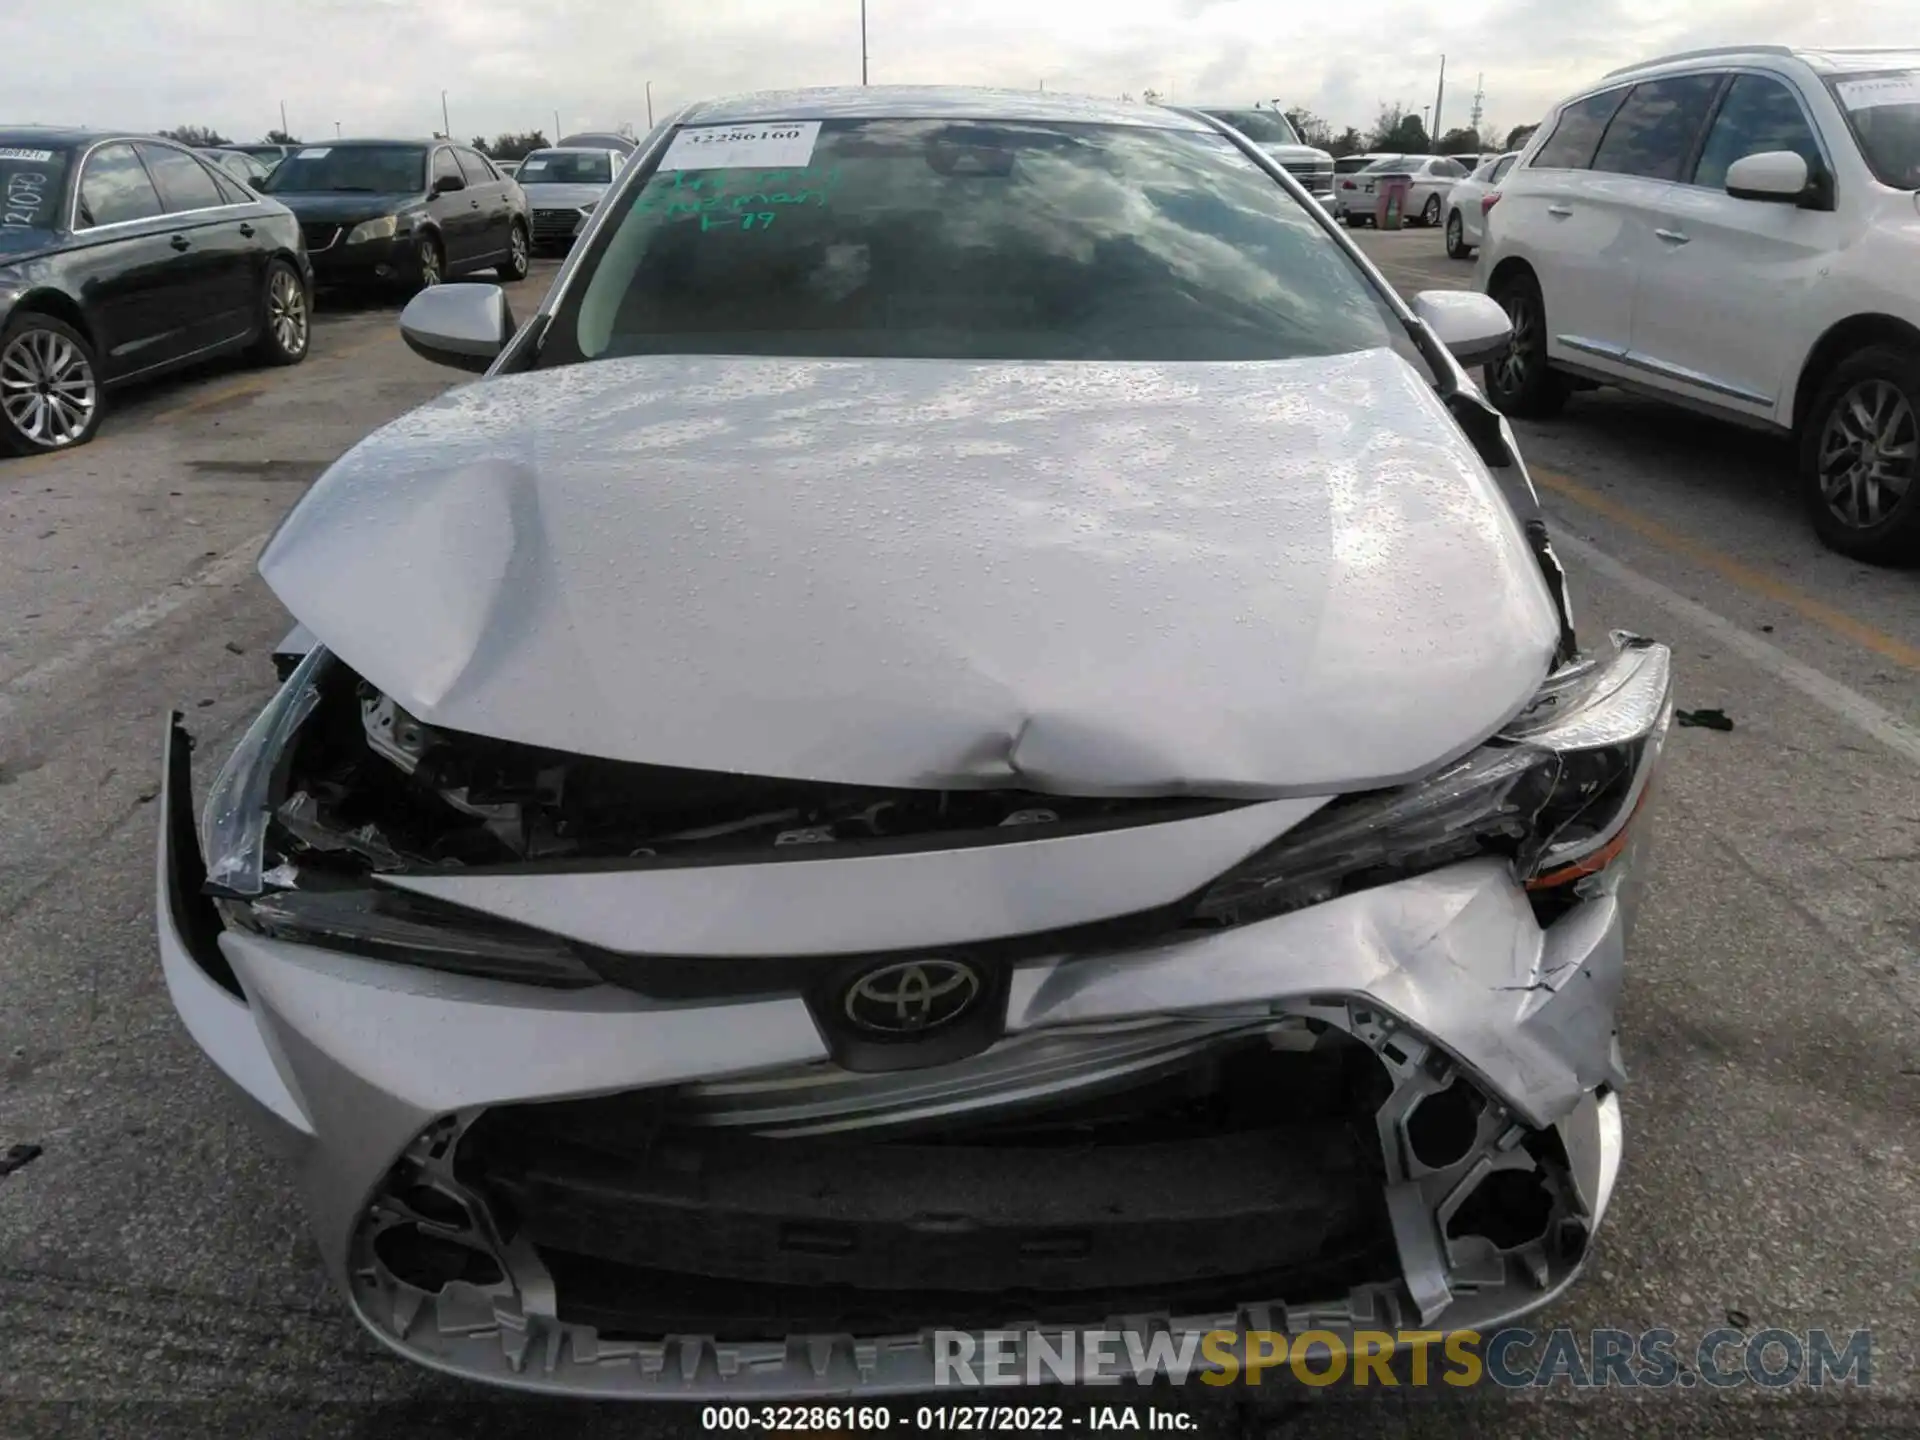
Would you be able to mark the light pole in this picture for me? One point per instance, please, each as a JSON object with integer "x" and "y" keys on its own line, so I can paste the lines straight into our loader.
{"x": 1439, "y": 96}
{"x": 863, "y": 42}
{"x": 446, "y": 125}
{"x": 336, "y": 129}
{"x": 649, "y": 105}
{"x": 556, "y": 127}
{"x": 283, "y": 118}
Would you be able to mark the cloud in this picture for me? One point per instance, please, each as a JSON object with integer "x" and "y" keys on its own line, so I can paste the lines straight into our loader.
{"x": 378, "y": 66}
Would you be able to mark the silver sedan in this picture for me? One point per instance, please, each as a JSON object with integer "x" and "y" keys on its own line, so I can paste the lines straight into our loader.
{"x": 974, "y": 729}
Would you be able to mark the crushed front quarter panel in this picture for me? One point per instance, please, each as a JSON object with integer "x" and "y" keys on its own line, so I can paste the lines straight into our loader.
{"x": 1288, "y": 577}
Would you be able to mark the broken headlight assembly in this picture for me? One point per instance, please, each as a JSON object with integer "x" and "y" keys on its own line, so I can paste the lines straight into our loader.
{"x": 347, "y": 914}
{"x": 1556, "y": 791}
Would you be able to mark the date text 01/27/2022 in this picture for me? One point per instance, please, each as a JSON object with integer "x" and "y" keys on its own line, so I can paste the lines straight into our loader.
{"x": 879, "y": 1417}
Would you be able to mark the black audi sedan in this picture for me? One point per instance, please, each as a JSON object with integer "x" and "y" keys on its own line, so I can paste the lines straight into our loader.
{"x": 122, "y": 256}
{"x": 403, "y": 213}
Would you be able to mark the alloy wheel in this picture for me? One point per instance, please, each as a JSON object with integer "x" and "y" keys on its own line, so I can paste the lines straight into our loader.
{"x": 47, "y": 387}
{"x": 1511, "y": 370}
{"x": 1867, "y": 452}
{"x": 429, "y": 265}
{"x": 1431, "y": 215}
{"x": 287, "y": 313}
{"x": 519, "y": 244}
{"x": 1455, "y": 235}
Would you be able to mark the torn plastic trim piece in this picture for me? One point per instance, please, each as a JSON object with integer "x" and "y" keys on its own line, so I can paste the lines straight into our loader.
{"x": 234, "y": 826}
{"x": 194, "y": 916}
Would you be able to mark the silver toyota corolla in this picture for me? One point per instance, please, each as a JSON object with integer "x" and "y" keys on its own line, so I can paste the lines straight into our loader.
{"x": 973, "y": 727}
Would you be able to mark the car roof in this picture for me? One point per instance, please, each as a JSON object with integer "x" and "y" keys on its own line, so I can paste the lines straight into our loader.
{"x": 66, "y": 136}
{"x": 1824, "y": 60}
{"x": 572, "y": 150}
{"x": 931, "y": 102}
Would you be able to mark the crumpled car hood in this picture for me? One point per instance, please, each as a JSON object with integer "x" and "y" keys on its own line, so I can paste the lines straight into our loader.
{"x": 1083, "y": 578}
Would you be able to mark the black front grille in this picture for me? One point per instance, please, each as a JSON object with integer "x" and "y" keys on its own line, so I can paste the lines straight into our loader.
{"x": 320, "y": 237}
{"x": 556, "y": 217}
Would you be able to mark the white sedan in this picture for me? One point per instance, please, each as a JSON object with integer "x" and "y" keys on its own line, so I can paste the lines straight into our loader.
{"x": 1470, "y": 200}
{"x": 1433, "y": 176}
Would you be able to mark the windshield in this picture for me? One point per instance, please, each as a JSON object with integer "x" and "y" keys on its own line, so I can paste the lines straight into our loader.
{"x": 561, "y": 167}
{"x": 376, "y": 169}
{"x": 966, "y": 240}
{"x": 1884, "y": 111}
{"x": 1263, "y": 127}
{"x": 31, "y": 184}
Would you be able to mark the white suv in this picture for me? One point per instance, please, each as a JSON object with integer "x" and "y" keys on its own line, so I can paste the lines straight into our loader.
{"x": 1737, "y": 230}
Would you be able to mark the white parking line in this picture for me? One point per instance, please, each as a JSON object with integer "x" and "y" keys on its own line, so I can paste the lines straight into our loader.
{"x": 1898, "y": 735}
{"x": 227, "y": 569}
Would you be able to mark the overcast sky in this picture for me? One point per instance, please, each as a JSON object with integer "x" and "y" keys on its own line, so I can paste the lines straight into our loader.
{"x": 378, "y": 66}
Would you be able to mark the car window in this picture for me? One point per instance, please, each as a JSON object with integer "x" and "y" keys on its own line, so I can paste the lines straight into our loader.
{"x": 1500, "y": 170}
{"x": 444, "y": 165}
{"x": 1450, "y": 169}
{"x": 1263, "y": 127}
{"x": 1652, "y": 135}
{"x": 560, "y": 167}
{"x": 32, "y": 184}
{"x": 1758, "y": 114}
{"x": 1576, "y": 135}
{"x": 473, "y": 167}
{"x": 1018, "y": 240}
{"x": 1883, "y": 111}
{"x": 235, "y": 192}
{"x": 115, "y": 188}
{"x": 349, "y": 169}
{"x": 183, "y": 182}
{"x": 1390, "y": 162}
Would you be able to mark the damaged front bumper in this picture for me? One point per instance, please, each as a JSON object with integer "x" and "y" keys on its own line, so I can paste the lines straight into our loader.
{"x": 595, "y": 1192}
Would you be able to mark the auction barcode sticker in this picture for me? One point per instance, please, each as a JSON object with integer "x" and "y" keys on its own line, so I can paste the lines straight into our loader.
{"x": 1871, "y": 94}
{"x": 778, "y": 146}
{"x": 39, "y": 157}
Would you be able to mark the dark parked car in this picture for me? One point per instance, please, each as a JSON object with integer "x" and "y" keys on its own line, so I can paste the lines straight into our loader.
{"x": 247, "y": 168}
{"x": 406, "y": 213}
{"x": 122, "y": 256}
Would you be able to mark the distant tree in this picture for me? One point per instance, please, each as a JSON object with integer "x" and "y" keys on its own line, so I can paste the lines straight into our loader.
{"x": 196, "y": 135}
{"x": 1519, "y": 135}
{"x": 1398, "y": 131}
{"x": 1311, "y": 129}
{"x": 480, "y": 144}
{"x": 626, "y": 130}
{"x": 280, "y": 137}
{"x": 1150, "y": 97}
{"x": 1126, "y": 97}
{"x": 1348, "y": 142}
{"x": 1462, "y": 140}
{"x": 517, "y": 147}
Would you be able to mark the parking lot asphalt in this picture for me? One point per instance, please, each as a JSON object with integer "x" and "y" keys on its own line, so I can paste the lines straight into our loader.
{"x": 155, "y": 1275}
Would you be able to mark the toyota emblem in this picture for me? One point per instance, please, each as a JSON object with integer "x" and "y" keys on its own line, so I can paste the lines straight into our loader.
{"x": 913, "y": 997}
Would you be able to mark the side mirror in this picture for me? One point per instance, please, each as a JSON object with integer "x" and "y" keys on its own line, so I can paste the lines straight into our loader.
{"x": 461, "y": 326}
{"x": 446, "y": 184}
{"x": 1474, "y": 327}
{"x": 1780, "y": 176}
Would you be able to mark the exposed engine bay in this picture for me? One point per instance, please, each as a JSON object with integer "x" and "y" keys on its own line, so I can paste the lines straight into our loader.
{"x": 368, "y": 786}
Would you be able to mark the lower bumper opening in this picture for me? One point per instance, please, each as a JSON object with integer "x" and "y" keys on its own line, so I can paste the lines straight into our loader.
{"x": 1253, "y": 1171}
{"x": 808, "y": 1230}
